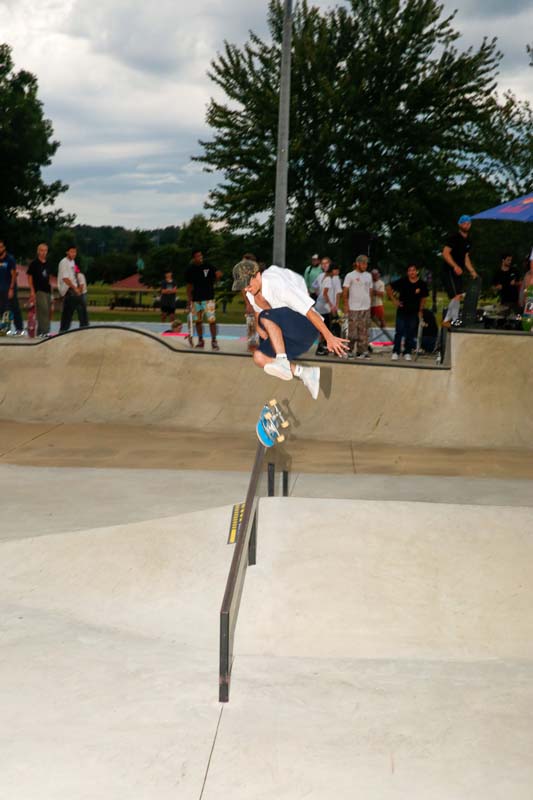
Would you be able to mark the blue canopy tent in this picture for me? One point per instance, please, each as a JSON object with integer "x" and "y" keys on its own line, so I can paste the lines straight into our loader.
{"x": 519, "y": 210}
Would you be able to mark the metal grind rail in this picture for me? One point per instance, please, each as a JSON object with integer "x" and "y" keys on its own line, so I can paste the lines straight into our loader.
{"x": 244, "y": 555}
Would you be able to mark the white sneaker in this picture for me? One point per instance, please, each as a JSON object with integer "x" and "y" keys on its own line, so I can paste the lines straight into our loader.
{"x": 408, "y": 357}
{"x": 310, "y": 377}
{"x": 279, "y": 368}
{"x": 395, "y": 357}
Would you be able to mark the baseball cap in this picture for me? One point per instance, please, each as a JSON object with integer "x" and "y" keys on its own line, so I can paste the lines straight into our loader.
{"x": 464, "y": 218}
{"x": 242, "y": 272}
{"x": 315, "y": 255}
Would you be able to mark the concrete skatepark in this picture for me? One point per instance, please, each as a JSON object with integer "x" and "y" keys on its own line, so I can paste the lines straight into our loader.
{"x": 384, "y": 643}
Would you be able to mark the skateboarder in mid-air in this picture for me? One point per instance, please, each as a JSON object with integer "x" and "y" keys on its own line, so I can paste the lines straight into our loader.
{"x": 456, "y": 255}
{"x": 287, "y": 323}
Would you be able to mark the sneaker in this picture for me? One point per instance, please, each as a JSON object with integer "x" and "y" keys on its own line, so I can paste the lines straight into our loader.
{"x": 214, "y": 344}
{"x": 408, "y": 357}
{"x": 279, "y": 368}
{"x": 321, "y": 351}
{"x": 395, "y": 357}
{"x": 310, "y": 377}
{"x": 201, "y": 343}
{"x": 363, "y": 355}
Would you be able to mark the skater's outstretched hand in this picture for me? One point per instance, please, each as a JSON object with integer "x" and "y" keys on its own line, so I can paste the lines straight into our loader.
{"x": 337, "y": 345}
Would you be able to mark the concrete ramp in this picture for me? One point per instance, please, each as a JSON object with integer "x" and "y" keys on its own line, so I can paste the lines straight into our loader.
{"x": 383, "y": 651}
{"x": 386, "y": 651}
{"x": 124, "y": 376}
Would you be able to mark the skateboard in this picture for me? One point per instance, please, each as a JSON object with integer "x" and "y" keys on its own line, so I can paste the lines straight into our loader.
{"x": 271, "y": 419}
{"x": 31, "y": 320}
{"x": 472, "y": 294}
{"x": 419, "y": 335}
{"x": 190, "y": 328}
{"x": 527, "y": 316}
{"x": 440, "y": 348}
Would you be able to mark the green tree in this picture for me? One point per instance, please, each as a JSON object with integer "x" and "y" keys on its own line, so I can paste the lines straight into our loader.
{"x": 167, "y": 257}
{"x": 393, "y": 129}
{"x": 26, "y": 146}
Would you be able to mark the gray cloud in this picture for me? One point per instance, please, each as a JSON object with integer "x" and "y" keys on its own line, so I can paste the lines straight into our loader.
{"x": 124, "y": 83}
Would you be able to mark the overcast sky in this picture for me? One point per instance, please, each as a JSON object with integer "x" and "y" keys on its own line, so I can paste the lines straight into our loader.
{"x": 124, "y": 83}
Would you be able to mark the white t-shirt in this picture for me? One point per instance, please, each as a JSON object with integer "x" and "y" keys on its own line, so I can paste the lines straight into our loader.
{"x": 377, "y": 286}
{"x": 323, "y": 283}
{"x": 66, "y": 269}
{"x": 336, "y": 287}
{"x": 283, "y": 288}
{"x": 359, "y": 285}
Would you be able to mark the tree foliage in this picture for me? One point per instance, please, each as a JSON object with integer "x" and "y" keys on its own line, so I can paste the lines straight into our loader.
{"x": 26, "y": 146}
{"x": 394, "y": 130}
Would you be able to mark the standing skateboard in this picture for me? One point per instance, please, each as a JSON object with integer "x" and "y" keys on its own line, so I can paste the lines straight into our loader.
{"x": 440, "y": 348}
{"x": 190, "y": 328}
{"x": 419, "y": 335}
{"x": 527, "y": 316}
{"x": 470, "y": 302}
{"x": 271, "y": 419}
{"x": 31, "y": 320}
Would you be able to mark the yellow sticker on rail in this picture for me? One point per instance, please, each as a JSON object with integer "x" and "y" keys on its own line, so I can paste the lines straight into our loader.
{"x": 235, "y": 524}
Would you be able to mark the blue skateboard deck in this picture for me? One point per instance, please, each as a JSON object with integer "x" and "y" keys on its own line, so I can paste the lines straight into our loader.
{"x": 271, "y": 420}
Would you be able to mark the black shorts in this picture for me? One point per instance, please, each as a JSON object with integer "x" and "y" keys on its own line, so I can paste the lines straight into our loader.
{"x": 298, "y": 333}
{"x": 453, "y": 283}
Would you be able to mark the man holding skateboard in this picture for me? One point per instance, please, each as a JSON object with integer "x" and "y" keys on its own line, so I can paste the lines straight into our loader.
{"x": 287, "y": 323}
{"x": 456, "y": 255}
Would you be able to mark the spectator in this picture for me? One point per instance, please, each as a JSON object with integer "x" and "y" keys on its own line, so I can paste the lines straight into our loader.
{"x": 506, "y": 282}
{"x": 408, "y": 295}
{"x": 357, "y": 291}
{"x": 40, "y": 289}
{"x": 527, "y": 281}
{"x": 325, "y": 300}
{"x": 200, "y": 278}
{"x": 8, "y": 287}
{"x": 456, "y": 255}
{"x": 377, "y": 309}
{"x": 248, "y": 263}
{"x": 311, "y": 273}
{"x": 69, "y": 287}
{"x": 169, "y": 290}
{"x": 83, "y": 313}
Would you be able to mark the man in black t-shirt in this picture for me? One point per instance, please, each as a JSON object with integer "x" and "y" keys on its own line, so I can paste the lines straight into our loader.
{"x": 456, "y": 255}
{"x": 40, "y": 290}
{"x": 200, "y": 279}
{"x": 507, "y": 282}
{"x": 168, "y": 297}
{"x": 408, "y": 295}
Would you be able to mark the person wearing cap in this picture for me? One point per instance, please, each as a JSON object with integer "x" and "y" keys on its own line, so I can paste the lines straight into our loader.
{"x": 287, "y": 323}
{"x": 456, "y": 255}
{"x": 311, "y": 273}
{"x": 248, "y": 262}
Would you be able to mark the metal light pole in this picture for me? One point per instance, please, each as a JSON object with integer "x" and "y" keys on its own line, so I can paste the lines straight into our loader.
{"x": 282, "y": 166}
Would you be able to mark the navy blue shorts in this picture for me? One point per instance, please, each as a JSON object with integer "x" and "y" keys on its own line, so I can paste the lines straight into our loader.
{"x": 298, "y": 333}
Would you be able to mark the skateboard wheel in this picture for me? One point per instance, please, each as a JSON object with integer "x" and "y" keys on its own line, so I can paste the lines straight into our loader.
{"x": 272, "y": 403}
{"x": 281, "y": 438}
{"x": 285, "y": 423}
{"x": 268, "y": 415}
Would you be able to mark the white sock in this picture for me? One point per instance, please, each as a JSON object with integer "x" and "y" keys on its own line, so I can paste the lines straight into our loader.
{"x": 281, "y": 355}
